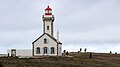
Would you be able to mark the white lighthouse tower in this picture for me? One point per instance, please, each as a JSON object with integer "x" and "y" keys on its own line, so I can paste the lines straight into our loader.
{"x": 48, "y": 20}
{"x": 47, "y": 44}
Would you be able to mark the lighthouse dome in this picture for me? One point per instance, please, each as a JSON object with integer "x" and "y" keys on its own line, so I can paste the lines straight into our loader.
{"x": 48, "y": 8}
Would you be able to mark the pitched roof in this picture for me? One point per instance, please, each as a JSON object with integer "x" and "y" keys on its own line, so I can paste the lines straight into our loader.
{"x": 49, "y": 36}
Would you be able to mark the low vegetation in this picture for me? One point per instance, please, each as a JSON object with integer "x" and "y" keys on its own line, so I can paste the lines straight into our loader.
{"x": 77, "y": 60}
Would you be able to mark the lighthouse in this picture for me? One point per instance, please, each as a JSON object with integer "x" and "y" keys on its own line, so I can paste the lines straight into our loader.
{"x": 47, "y": 44}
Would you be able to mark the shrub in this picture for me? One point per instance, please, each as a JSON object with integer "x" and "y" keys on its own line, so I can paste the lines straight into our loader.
{"x": 1, "y": 65}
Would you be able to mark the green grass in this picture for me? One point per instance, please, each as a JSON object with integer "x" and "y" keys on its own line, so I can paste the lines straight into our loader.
{"x": 78, "y": 60}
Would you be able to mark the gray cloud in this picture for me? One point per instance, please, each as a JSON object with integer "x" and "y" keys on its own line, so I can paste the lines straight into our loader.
{"x": 81, "y": 23}
{"x": 94, "y": 16}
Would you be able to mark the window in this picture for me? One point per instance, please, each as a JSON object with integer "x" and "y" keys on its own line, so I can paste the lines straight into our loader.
{"x": 52, "y": 50}
{"x": 47, "y": 27}
{"x": 45, "y": 41}
{"x": 45, "y": 50}
{"x": 38, "y": 50}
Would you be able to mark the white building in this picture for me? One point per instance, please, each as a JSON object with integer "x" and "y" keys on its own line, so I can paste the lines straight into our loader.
{"x": 22, "y": 53}
{"x": 47, "y": 44}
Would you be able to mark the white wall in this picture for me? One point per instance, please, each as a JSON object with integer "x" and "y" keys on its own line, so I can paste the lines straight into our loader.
{"x": 40, "y": 43}
{"x": 60, "y": 49}
{"x": 48, "y": 23}
{"x": 25, "y": 52}
{"x": 21, "y": 52}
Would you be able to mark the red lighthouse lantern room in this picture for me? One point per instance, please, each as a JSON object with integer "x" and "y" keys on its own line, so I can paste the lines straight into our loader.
{"x": 48, "y": 11}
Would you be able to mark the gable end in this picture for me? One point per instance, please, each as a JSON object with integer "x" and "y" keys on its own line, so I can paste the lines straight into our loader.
{"x": 48, "y": 36}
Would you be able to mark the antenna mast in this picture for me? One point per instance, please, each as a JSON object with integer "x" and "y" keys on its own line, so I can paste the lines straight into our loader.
{"x": 58, "y": 36}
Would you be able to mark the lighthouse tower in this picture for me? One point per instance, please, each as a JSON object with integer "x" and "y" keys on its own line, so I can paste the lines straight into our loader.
{"x": 48, "y": 20}
{"x": 47, "y": 44}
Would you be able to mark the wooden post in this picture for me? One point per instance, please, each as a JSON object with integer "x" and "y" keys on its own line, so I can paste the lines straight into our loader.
{"x": 90, "y": 55}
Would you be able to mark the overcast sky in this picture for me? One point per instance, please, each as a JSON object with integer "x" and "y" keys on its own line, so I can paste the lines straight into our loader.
{"x": 91, "y": 24}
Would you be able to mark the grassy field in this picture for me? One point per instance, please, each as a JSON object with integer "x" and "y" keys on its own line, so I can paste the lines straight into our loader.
{"x": 78, "y": 60}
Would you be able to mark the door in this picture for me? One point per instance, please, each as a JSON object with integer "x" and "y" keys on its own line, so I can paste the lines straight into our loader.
{"x": 13, "y": 52}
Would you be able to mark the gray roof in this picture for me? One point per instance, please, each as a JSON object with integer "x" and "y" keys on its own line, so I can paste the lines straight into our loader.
{"x": 49, "y": 36}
